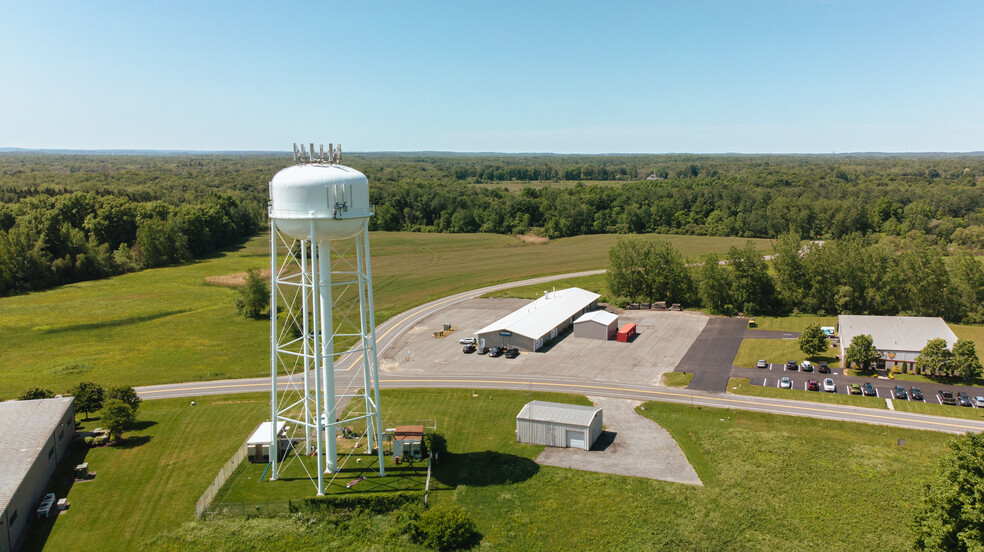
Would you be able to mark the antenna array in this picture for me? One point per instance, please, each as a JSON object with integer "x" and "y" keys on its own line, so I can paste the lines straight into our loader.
{"x": 307, "y": 155}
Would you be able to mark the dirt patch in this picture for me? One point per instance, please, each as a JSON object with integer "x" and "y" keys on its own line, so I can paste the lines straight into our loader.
{"x": 532, "y": 239}
{"x": 234, "y": 280}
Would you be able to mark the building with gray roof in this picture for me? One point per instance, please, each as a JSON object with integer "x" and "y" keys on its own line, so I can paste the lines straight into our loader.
{"x": 559, "y": 425}
{"x": 534, "y": 325}
{"x": 897, "y": 338}
{"x": 34, "y": 437}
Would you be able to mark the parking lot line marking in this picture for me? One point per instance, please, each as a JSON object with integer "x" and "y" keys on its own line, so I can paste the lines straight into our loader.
{"x": 765, "y": 382}
{"x": 955, "y": 423}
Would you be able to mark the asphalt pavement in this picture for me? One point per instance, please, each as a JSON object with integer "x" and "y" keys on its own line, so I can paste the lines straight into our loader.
{"x": 709, "y": 358}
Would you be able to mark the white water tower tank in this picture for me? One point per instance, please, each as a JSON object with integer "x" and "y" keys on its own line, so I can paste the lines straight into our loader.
{"x": 336, "y": 197}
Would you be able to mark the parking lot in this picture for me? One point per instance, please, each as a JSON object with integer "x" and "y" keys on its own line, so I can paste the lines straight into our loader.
{"x": 884, "y": 388}
{"x": 663, "y": 339}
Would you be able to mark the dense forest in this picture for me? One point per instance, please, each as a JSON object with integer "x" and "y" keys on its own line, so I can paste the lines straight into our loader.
{"x": 71, "y": 218}
{"x": 67, "y": 217}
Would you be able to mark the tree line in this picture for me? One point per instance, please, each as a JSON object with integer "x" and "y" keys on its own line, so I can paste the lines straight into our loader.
{"x": 855, "y": 275}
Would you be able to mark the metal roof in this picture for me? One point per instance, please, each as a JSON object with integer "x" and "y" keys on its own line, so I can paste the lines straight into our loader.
{"x": 895, "y": 333}
{"x": 569, "y": 414}
{"x": 25, "y": 428}
{"x": 599, "y": 316}
{"x": 546, "y": 313}
{"x": 262, "y": 434}
{"x": 409, "y": 433}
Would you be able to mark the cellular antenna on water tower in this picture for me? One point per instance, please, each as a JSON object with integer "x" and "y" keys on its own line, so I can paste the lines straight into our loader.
{"x": 319, "y": 212}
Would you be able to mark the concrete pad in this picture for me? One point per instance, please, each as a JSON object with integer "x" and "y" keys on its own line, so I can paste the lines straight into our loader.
{"x": 663, "y": 339}
{"x": 640, "y": 448}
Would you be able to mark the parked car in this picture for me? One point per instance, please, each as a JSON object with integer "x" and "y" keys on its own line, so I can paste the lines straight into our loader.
{"x": 963, "y": 399}
{"x": 869, "y": 390}
{"x": 813, "y": 385}
{"x": 467, "y": 341}
{"x": 915, "y": 394}
{"x": 483, "y": 350}
{"x": 946, "y": 397}
{"x": 512, "y": 352}
{"x": 828, "y": 386}
{"x": 855, "y": 389}
{"x": 900, "y": 393}
{"x": 785, "y": 383}
{"x": 979, "y": 401}
{"x": 495, "y": 351}
{"x": 791, "y": 365}
{"x": 823, "y": 368}
{"x": 762, "y": 364}
{"x": 806, "y": 366}
{"x": 468, "y": 349}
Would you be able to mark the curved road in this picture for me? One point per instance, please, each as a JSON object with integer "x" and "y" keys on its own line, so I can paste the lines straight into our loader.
{"x": 387, "y": 332}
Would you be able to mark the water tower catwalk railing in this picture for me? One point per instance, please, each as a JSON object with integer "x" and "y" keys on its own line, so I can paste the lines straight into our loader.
{"x": 316, "y": 287}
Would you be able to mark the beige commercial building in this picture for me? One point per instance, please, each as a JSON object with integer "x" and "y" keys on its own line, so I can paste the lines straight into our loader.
{"x": 34, "y": 436}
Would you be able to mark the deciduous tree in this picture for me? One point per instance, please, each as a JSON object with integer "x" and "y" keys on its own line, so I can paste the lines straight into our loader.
{"x": 117, "y": 417}
{"x": 126, "y": 394}
{"x": 935, "y": 358}
{"x": 861, "y": 352}
{"x": 254, "y": 296}
{"x": 951, "y": 518}
{"x": 88, "y": 397}
{"x": 813, "y": 341}
{"x": 965, "y": 360}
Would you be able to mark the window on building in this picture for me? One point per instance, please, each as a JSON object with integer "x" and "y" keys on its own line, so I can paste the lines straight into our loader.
{"x": 51, "y": 452}
{"x": 61, "y": 434}
{"x": 12, "y": 518}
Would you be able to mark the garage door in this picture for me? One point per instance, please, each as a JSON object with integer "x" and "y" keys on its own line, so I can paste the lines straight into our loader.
{"x": 575, "y": 439}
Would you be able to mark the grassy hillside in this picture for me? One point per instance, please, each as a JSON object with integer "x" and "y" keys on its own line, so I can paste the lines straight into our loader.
{"x": 167, "y": 325}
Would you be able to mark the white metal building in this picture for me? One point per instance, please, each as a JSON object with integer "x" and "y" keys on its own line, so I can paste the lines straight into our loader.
{"x": 34, "y": 437}
{"x": 534, "y": 325}
{"x": 258, "y": 445}
{"x": 898, "y": 338}
{"x": 597, "y": 324}
{"x": 559, "y": 425}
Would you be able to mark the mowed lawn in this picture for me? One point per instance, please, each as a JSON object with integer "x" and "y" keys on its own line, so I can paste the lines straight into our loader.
{"x": 778, "y": 351}
{"x": 167, "y": 325}
{"x": 770, "y": 483}
{"x": 150, "y": 484}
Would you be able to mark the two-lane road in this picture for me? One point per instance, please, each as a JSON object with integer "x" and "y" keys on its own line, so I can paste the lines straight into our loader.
{"x": 348, "y": 371}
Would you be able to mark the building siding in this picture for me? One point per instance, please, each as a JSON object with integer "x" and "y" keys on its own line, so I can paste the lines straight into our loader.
{"x": 553, "y": 434}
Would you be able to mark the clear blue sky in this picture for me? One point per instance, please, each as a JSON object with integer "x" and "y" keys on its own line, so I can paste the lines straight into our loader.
{"x": 580, "y": 77}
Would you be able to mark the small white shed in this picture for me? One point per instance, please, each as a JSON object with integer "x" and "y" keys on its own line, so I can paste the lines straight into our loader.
{"x": 559, "y": 425}
{"x": 597, "y": 324}
{"x": 258, "y": 445}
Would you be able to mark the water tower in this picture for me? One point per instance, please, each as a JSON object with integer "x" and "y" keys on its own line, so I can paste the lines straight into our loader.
{"x": 319, "y": 211}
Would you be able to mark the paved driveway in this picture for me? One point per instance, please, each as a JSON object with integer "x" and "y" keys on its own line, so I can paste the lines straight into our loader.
{"x": 711, "y": 356}
{"x": 639, "y": 447}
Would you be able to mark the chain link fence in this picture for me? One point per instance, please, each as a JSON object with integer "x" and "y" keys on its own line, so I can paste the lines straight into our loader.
{"x": 213, "y": 488}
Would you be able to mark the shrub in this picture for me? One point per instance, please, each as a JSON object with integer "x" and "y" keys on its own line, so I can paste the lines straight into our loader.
{"x": 447, "y": 527}
{"x": 89, "y": 441}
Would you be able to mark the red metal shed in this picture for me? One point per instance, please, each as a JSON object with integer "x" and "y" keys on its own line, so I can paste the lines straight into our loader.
{"x": 625, "y": 333}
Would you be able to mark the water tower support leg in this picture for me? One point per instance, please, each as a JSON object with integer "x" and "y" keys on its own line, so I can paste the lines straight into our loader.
{"x": 306, "y": 339}
{"x": 327, "y": 355}
{"x": 274, "y": 444}
{"x": 370, "y": 308}
{"x": 317, "y": 365}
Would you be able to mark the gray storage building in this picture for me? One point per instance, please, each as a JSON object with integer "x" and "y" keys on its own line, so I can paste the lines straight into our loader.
{"x": 534, "y": 325}
{"x": 34, "y": 437}
{"x": 596, "y": 325}
{"x": 558, "y": 424}
{"x": 897, "y": 338}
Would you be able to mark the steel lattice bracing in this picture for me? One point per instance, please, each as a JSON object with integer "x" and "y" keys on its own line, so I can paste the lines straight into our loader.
{"x": 323, "y": 292}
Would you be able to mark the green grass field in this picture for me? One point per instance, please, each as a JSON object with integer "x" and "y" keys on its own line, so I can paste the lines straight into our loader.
{"x": 771, "y": 483}
{"x": 933, "y": 408}
{"x": 742, "y": 386}
{"x": 677, "y": 379}
{"x": 167, "y": 325}
{"x": 777, "y": 351}
{"x": 794, "y": 323}
{"x": 150, "y": 484}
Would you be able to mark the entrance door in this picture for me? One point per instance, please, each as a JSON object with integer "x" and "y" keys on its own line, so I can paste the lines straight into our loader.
{"x": 575, "y": 439}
